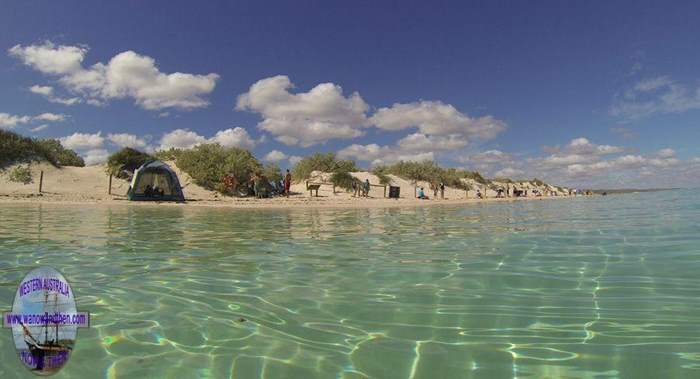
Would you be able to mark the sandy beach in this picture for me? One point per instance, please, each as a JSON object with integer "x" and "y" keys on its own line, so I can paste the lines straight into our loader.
{"x": 89, "y": 185}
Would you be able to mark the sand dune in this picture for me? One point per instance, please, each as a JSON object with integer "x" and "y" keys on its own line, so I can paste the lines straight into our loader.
{"x": 90, "y": 185}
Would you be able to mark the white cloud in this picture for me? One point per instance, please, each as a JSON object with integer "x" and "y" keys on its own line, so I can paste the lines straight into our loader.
{"x": 128, "y": 140}
{"x": 95, "y": 156}
{"x": 666, "y": 153}
{"x": 49, "y": 58}
{"x": 8, "y": 121}
{"x": 275, "y": 156}
{"x": 181, "y": 139}
{"x": 306, "y": 118}
{"x": 126, "y": 75}
{"x": 294, "y": 159}
{"x": 236, "y": 137}
{"x": 437, "y": 118}
{"x": 82, "y": 141}
{"x": 585, "y": 147}
{"x": 186, "y": 139}
{"x": 378, "y": 155}
{"x": 418, "y": 142}
{"x": 50, "y": 117}
{"x": 508, "y": 172}
{"x": 652, "y": 96}
{"x": 39, "y": 128}
{"x": 41, "y": 90}
{"x": 48, "y": 93}
{"x": 489, "y": 157}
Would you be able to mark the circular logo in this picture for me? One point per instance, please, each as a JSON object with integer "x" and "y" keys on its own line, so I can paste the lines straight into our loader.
{"x": 44, "y": 320}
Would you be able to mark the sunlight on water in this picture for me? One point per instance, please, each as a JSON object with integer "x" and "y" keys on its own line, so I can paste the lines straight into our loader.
{"x": 601, "y": 287}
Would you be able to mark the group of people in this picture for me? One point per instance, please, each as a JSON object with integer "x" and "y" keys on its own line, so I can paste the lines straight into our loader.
{"x": 360, "y": 189}
{"x": 259, "y": 185}
{"x": 149, "y": 191}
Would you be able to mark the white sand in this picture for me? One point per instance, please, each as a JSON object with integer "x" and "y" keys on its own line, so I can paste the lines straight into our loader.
{"x": 75, "y": 185}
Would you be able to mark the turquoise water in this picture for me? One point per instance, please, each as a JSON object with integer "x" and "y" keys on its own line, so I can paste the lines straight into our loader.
{"x": 600, "y": 287}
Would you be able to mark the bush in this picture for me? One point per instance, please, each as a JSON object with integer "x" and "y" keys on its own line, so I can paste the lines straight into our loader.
{"x": 381, "y": 173}
{"x": 321, "y": 162}
{"x": 53, "y": 151}
{"x": 344, "y": 180}
{"x": 168, "y": 155}
{"x": 21, "y": 174}
{"x": 207, "y": 164}
{"x": 16, "y": 148}
{"x": 124, "y": 162}
{"x": 272, "y": 172}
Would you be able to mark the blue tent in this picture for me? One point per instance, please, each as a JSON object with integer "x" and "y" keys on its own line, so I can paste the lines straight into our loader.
{"x": 155, "y": 181}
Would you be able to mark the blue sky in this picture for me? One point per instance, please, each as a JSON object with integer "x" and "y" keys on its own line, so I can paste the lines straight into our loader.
{"x": 580, "y": 93}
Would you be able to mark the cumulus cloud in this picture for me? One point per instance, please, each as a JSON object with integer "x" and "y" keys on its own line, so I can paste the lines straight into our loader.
{"x": 181, "y": 139}
{"x": 660, "y": 95}
{"x": 275, "y": 156}
{"x": 126, "y": 75}
{"x": 236, "y": 137}
{"x": 186, "y": 139}
{"x": 379, "y": 155}
{"x": 95, "y": 156}
{"x": 579, "y": 150}
{"x": 434, "y": 118}
{"x": 305, "y": 118}
{"x": 82, "y": 141}
{"x": 128, "y": 140}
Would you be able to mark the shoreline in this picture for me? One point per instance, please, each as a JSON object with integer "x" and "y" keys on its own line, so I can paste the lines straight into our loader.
{"x": 293, "y": 202}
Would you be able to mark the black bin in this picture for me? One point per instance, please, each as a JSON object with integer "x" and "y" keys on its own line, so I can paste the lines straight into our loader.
{"x": 394, "y": 192}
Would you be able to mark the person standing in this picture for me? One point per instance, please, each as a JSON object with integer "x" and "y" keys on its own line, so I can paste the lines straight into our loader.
{"x": 442, "y": 190}
{"x": 366, "y": 188}
{"x": 287, "y": 183}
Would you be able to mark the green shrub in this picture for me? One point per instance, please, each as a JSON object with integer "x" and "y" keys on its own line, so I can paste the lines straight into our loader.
{"x": 16, "y": 148}
{"x": 537, "y": 182}
{"x": 207, "y": 164}
{"x": 168, "y": 155}
{"x": 344, "y": 180}
{"x": 21, "y": 174}
{"x": 381, "y": 173}
{"x": 125, "y": 161}
{"x": 53, "y": 151}
{"x": 321, "y": 162}
{"x": 272, "y": 172}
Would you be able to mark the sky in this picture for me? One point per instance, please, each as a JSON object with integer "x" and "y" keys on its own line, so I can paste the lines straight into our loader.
{"x": 589, "y": 94}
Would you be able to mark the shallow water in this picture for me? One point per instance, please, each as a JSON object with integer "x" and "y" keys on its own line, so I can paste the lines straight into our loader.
{"x": 600, "y": 287}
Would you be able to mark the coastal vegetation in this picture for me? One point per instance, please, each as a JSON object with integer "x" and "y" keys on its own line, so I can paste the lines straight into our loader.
{"x": 208, "y": 164}
{"x": 124, "y": 162}
{"x": 327, "y": 162}
{"x": 15, "y": 148}
{"x": 21, "y": 174}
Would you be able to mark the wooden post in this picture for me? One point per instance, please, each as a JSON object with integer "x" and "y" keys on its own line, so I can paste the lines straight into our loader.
{"x": 41, "y": 180}
{"x": 109, "y": 191}
{"x": 384, "y": 190}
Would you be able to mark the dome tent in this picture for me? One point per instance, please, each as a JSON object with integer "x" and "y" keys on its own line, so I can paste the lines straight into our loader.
{"x": 155, "y": 180}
